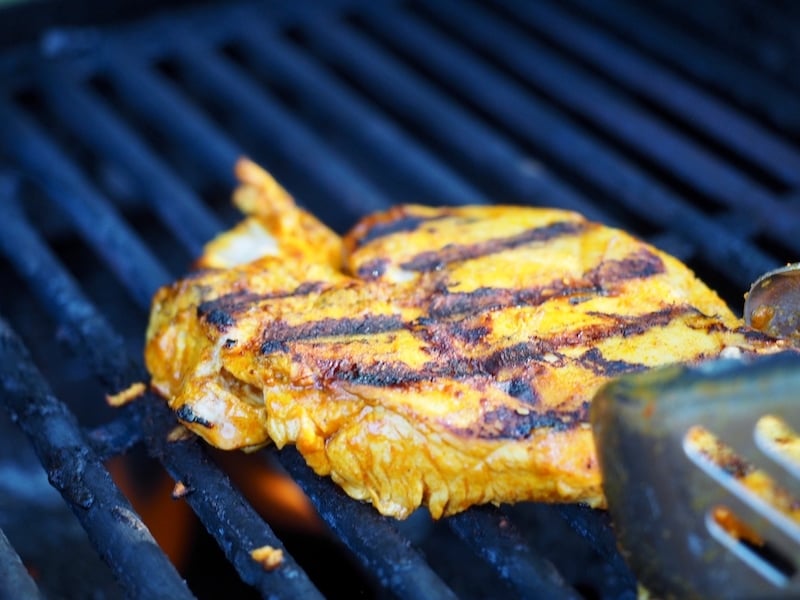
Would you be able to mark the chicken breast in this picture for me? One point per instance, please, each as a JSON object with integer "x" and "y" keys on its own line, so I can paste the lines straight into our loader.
{"x": 443, "y": 357}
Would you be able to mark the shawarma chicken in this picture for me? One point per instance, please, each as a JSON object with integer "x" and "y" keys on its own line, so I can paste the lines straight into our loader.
{"x": 443, "y": 357}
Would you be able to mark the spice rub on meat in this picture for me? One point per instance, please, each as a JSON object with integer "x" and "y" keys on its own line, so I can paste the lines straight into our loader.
{"x": 433, "y": 356}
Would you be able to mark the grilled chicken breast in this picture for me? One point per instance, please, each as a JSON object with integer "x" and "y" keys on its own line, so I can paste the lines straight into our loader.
{"x": 433, "y": 356}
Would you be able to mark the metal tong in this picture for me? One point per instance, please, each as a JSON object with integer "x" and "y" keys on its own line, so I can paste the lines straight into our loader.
{"x": 701, "y": 465}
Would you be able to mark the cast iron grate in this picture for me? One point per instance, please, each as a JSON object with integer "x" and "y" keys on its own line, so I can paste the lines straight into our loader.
{"x": 120, "y": 142}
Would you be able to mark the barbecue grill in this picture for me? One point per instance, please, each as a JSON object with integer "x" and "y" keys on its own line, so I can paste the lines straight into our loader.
{"x": 677, "y": 121}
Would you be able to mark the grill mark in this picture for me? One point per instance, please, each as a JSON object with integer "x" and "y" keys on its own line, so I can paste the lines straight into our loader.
{"x": 436, "y": 260}
{"x": 593, "y": 360}
{"x": 521, "y": 389}
{"x": 597, "y": 281}
{"x": 221, "y": 312}
{"x": 383, "y": 373}
{"x": 507, "y": 423}
{"x": 638, "y": 265}
{"x": 405, "y": 223}
{"x": 379, "y": 374}
{"x": 277, "y": 334}
{"x": 442, "y": 304}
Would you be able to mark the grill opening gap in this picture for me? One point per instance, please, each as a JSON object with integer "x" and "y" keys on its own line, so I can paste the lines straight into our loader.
{"x": 674, "y": 120}
{"x": 775, "y": 248}
{"x": 586, "y": 125}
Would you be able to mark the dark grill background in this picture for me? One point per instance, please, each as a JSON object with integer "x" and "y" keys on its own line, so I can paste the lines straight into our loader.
{"x": 677, "y": 121}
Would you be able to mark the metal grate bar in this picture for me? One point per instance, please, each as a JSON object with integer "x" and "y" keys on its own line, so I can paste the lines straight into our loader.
{"x": 233, "y": 523}
{"x": 515, "y": 172}
{"x": 278, "y": 129}
{"x": 169, "y": 197}
{"x": 156, "y": 101}
{"x": 491, "y": 534}
{"x": 370, "y": 536}
{"x": 648, "y": 78}
{"x": 756, "y": 31}
{"x": 595, "y": 526}
{"x": 15, "y": 582}
{"x": 597, "y": 102}
{"x": 639, "y": 194}
{"x": 128, "y": 257}
{"x": 35, "y": 263}
{"x": 72, "y": 468}
{"x": 357, "y": 120}
{"x": 702, "y": 61}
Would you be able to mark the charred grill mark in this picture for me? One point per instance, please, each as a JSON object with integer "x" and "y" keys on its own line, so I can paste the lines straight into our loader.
{"x": 507, "y": 423}
{"x": 753, "y": 335}
{"x": 597, "y": 281}
{"x": 448, "y": 363}
{"x": 521, "y": 389}
{"x": 379, "y": 374}
{"x": 216, "y": 317}
{"x": 593, "y": 360}
{"x": 221, "y": 312}
{"x": 406, "y": 223}
{"x": 639, "y": 265}
{"x": 627, "y": 326}
{"x": 187, "y": 415}
{"x": 438, "y": 259}
{"x": 277, "y": 332}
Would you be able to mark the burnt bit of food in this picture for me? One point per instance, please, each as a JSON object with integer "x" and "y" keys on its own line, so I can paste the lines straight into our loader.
{"x": 180, "y": 490}
{"x": 129, "y": 394}
{"x": 268, "y": 557}
{"x": 187, "y": 415}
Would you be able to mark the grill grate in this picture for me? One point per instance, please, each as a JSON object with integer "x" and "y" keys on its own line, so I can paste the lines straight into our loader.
{"x": 665, "y": 120}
